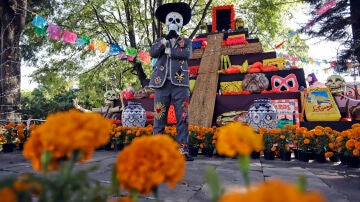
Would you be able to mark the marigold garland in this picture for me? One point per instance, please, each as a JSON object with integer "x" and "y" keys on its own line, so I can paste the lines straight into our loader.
{"x": 66, "y": 132}
{"x": 149, "y": 161}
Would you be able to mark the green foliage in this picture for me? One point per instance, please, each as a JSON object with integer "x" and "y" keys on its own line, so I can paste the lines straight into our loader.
{"x": 35, "y": 105}
{"x": 213, "y": 181}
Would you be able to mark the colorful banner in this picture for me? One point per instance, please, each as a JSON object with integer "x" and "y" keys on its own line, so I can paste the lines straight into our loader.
{"x": 42, "y": 27}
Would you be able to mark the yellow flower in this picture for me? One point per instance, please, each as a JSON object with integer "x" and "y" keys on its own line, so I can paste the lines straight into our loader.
{"x": 149, "y": 161}
{"x": 237, "y": 139}
{"x": 65, "y": 132}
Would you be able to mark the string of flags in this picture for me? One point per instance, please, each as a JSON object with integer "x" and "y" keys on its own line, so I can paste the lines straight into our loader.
{"x": 310, "y": 60}
{"x": 42, "y": 27}
{"x": 324, "y": 8}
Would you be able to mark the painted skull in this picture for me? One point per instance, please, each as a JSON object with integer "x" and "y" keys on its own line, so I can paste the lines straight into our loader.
{"x": 110, "y": 96}
{"x": 255, "y": 83}
{"x": 174, "y": 22}
{"x": 336, "y": 84}
{"x": 289, "y": 83}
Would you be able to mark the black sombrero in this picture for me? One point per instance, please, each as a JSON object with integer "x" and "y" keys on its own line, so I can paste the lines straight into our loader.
{"x": 180, "y": 7}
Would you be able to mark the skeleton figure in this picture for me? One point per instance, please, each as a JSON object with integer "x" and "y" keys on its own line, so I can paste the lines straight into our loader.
{"x": 174, "y": 22}
{"x": 109, "y": 111}
{"x": 336, "y": 84}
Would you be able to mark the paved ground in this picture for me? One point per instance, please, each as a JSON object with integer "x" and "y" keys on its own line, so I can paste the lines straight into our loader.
{"x": 337, "y": 182}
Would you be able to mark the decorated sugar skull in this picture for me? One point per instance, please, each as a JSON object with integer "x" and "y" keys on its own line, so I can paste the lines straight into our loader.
{"x": 174, "y": 15}
{"x": 289, "y": 83}
{"x": 174, "y": 22}
{"x": 110, "y": 96}
{"x": 336, "y": 84}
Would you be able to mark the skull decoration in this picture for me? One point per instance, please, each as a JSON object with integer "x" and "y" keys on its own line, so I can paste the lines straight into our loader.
{"x": 336, "y": 84}
{"x": 110, "y": 96}
{"x": 174, "y": 22}
{"x": 289, "y": 83}
{"x": 255, "y": 83}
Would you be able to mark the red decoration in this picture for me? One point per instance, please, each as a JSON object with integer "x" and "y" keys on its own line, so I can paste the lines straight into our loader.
{"x": 171, "y": 118}
{"x": 223, "y": 8}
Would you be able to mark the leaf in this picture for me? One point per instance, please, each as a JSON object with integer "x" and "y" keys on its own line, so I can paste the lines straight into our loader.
{"x": 213, "y": 181}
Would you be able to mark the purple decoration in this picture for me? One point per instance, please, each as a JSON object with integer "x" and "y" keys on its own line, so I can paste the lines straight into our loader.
{"x": 54, "y": 31}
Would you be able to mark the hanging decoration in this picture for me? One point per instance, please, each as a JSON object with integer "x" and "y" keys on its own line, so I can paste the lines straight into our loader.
{"x": 42, "y": 27}
{"x": 325, "y": 8}
{"x": 69, "y": 37}
{"x": 54, "y": 31}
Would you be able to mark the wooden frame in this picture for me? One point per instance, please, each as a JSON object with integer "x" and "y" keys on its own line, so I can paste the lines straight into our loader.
{"x": 223, "y": 18}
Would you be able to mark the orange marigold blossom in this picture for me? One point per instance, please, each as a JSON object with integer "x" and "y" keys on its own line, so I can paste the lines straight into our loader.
{"x": 355, "y": 152}
{"x": 270, "y": 191}
{"x": 237, "y": 139}
{"x": 357, "y": 145}
{"x": 306, "y": 141}
{"x": 149, "y": 161}
{"x": 329, "y": 154}
{"x": 65, "y": 132}
{"x": 7, "y": 194}
{"x": 350, "y": 144}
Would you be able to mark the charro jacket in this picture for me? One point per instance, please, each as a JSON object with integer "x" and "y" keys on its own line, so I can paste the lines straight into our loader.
{"x": 174, "y": 65}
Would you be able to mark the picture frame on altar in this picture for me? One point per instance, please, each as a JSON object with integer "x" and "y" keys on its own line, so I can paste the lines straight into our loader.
{"x": 287, "y": 112}
{"x": 223, "y": 18}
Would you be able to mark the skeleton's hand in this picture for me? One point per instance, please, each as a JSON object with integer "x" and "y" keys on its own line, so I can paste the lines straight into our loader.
{"x": 164, "y": 41}
{"x": 76, "y": 103}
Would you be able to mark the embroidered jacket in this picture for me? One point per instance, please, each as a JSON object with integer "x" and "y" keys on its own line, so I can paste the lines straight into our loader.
{"x": 173, "y": 65}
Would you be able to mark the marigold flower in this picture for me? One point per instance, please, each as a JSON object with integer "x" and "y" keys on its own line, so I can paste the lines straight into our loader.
{"x": 306, "y": 141}
{"x": 64, "y": 133}
{"x": 149, "y": 161}
{"x": 350, "y": 144}
{"x": 8, "y": 195}
{"x": 329, "y": 154}
{"x": 237, "y": 139}
{"x": 355, "y": 152}
{"x": 269, "y": 191}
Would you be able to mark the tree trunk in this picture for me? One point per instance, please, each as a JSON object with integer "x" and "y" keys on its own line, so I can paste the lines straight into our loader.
{"x": 13, "y": 15}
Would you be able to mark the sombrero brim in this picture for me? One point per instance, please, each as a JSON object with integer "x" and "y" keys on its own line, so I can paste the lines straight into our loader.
{"x": 180, "y": 7}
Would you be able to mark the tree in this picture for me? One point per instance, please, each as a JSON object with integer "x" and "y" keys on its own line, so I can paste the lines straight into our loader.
{"x": 336, "y": 23}
{"x": 130, "y": 23}
{"x": 13, "y": 15}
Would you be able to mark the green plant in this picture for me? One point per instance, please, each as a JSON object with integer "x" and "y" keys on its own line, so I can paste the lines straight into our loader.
{"x": 209, "y": 142}
{"x": 268, "y": 140}
{"x": 194, "y": 140}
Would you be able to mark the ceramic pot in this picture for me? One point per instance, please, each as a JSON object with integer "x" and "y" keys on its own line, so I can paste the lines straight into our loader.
{"x": 285, "y": 155}
{"x": 304, "y": 155}
{"x": 319, "y": 157}
{"x": 255, "y": 155}
{"x": 133, "y": 115}
{"x": 8, "y": 147}
{"x": 193, "y": 151}
{"x": 208, "y": 152}
{"x": 262, "y": 114}
{"x": 269, "y": 155}
{"x": 353, "y": 161}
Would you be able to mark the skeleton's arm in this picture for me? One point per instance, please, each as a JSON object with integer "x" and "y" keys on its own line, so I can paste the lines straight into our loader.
{"x": 77, "y": 106}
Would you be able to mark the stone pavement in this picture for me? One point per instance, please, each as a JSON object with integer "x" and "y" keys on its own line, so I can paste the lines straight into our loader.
{"x": 337, "y": 182}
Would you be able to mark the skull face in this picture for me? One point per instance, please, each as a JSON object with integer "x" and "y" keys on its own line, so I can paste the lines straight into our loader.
{"x": 174, "y": 22}
{"x": 110, "y": 96}
{"x": 336, "y": 84}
